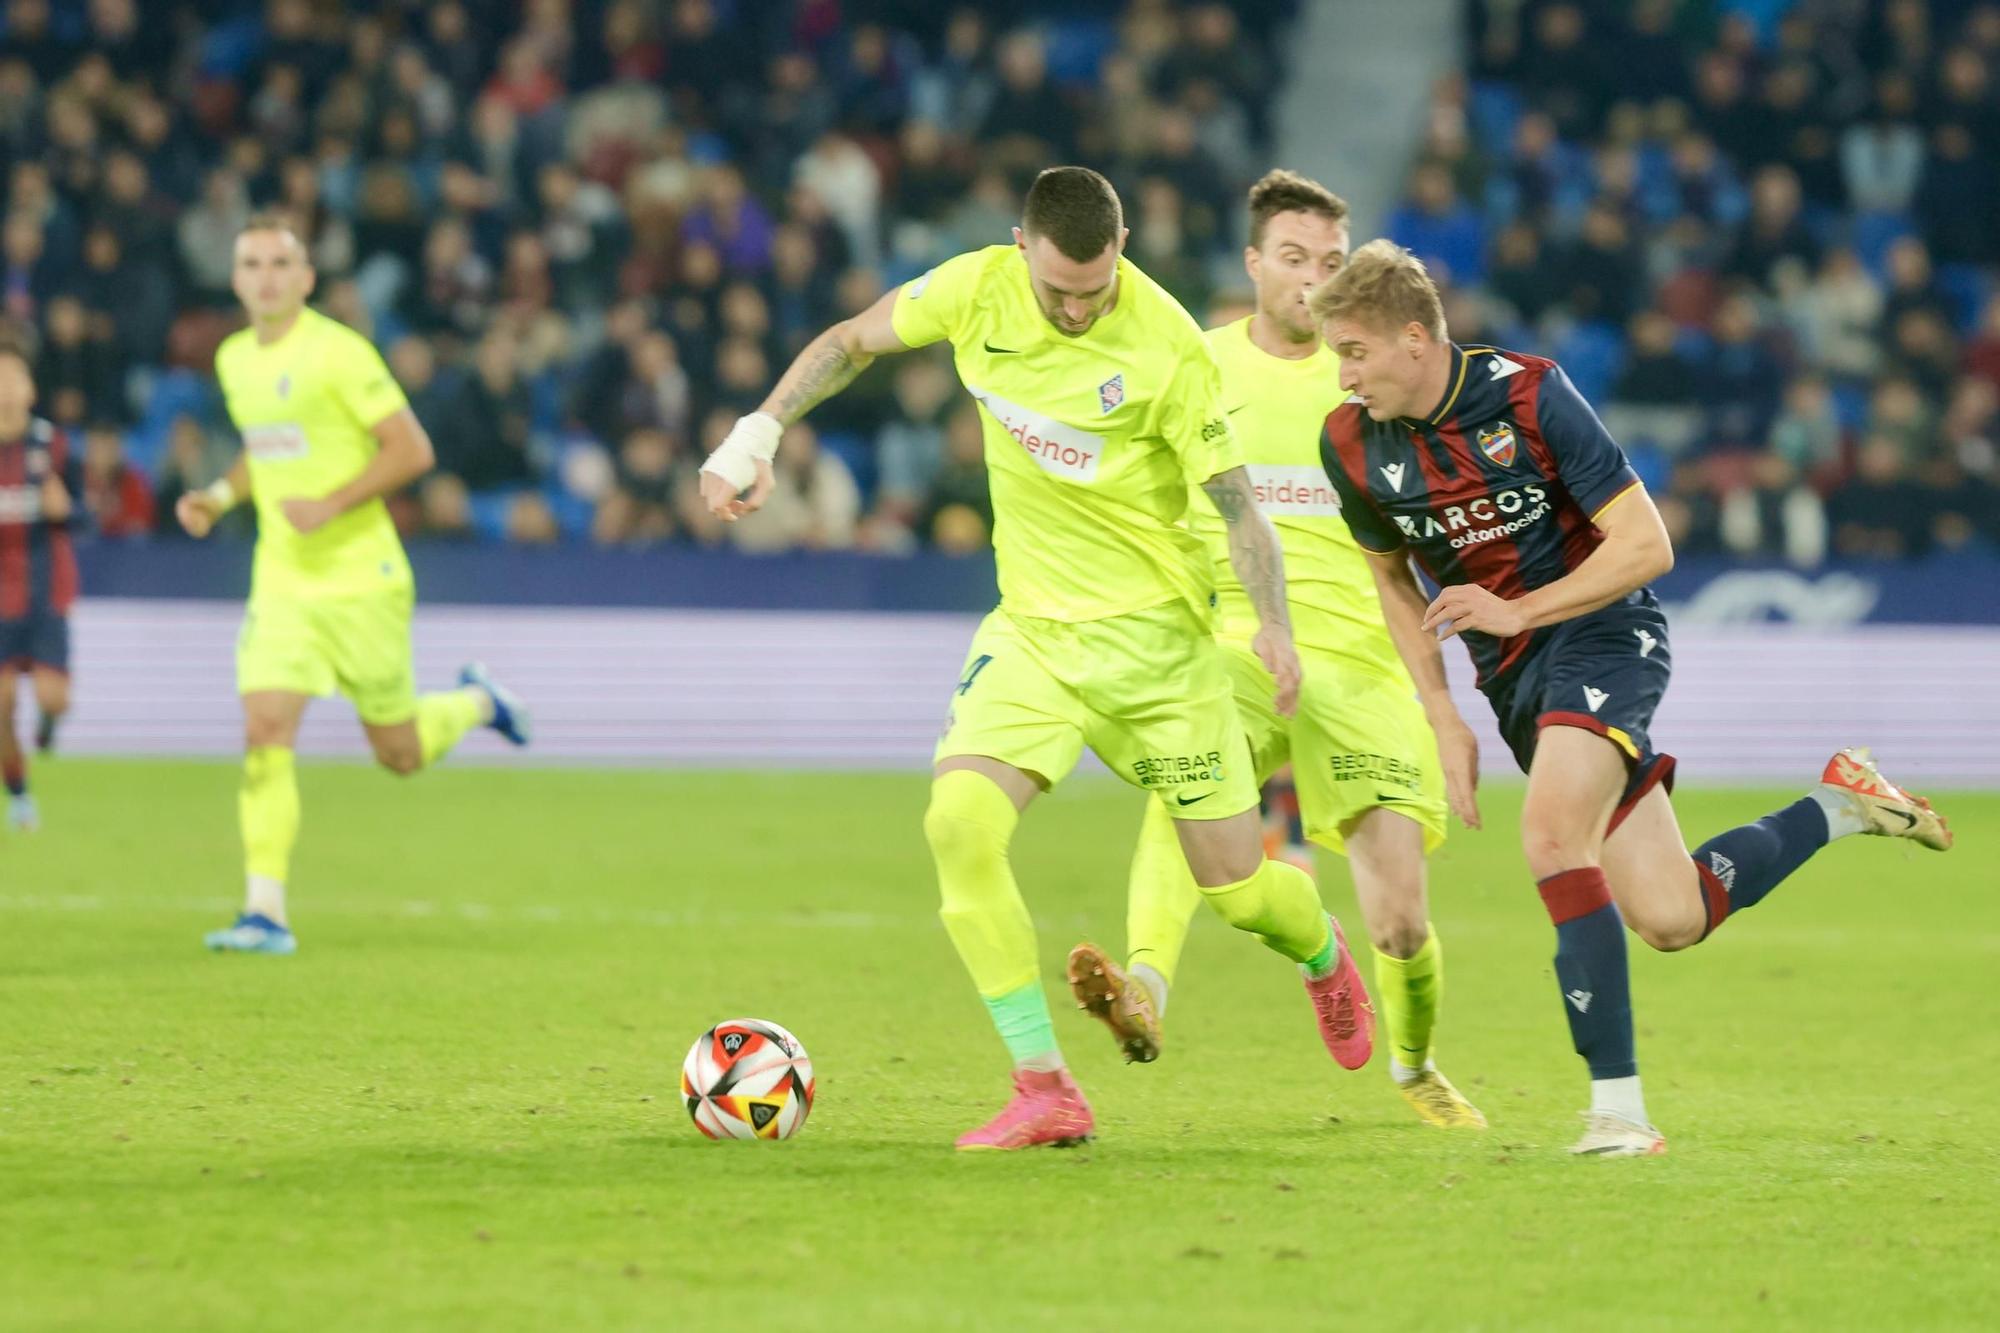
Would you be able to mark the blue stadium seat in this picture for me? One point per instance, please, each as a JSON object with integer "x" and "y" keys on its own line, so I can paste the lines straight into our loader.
{"x": 1874, "y": 233}
{"x": 1966, "y": 287}
{"x": 1494, "y": 108}
{"x": 1076, "y": 47}
{"x": 1850, "y": 404}
{"x": 489, "y": 513}
{"x": 1593, "y": 354}
{"x": 573, "y": 514}
{"x": 858, "y": 452}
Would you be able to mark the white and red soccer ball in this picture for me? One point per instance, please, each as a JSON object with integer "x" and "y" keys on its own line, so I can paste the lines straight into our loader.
{"x": 748, "y": 1079}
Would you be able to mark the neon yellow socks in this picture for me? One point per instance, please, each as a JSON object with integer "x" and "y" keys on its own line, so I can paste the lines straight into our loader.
{"x": 444, "y": 718}
{"x": 1159, "y": 903}
{"x": 1409, "y": 991}
{"x": 267, "y": 807}
{"x": 1280, "y": 905}
{"x": 969, "y": 825}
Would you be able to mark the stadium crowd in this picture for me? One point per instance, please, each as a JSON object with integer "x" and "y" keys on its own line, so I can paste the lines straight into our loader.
{"x": 1761, "y": 235}
{"x": 588, "y": 233}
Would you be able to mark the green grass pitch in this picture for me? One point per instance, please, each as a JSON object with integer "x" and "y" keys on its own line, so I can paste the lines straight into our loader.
{"x": 457, "y": 1106}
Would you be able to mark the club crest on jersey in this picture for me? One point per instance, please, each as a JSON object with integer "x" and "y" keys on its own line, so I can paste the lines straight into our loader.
{"x": 1111, "y": 393}
{"x": 1497, "y": 443}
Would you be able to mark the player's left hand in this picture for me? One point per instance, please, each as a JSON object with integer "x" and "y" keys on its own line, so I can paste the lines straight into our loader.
{"x": 309, "y": 516}
{"x": 1464, "y": 606}
{"x": 56, "y": 505}
{"x": 1274, "y": 648}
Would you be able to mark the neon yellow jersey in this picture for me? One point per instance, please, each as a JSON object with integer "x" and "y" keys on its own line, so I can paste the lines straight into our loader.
{"x": 1277, "y": 408}
{"x": 1091, "y": 442}
{"x": 306, "y": 406}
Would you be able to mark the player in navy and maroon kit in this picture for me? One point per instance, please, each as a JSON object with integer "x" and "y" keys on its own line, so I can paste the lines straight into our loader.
{"x": 41, "y": 490}
{"x": 1490, "y": 469}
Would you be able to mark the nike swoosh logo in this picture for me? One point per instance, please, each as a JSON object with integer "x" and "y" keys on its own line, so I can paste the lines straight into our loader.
{"x": 1001, "y": 351}
{"x": 1234, "y": 410}
{"x": 1909, "y": 820}
{"x": 1204, "y": 796}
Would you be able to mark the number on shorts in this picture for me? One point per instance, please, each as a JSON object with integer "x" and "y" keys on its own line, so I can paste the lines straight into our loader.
{"x": 972, "y": 674}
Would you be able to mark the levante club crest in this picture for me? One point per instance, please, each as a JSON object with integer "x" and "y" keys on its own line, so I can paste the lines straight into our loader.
{"x": 1497, "y": 443}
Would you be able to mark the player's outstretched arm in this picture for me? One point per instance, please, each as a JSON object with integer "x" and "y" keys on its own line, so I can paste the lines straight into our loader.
{"x": 1635, "y": 551}
{"x": 199, "y": 511}
{"x": 405, "y": 454}
{"x": 828, "y": 364}
{"x": 1259, "y": 562}
{"x": 1403, "y": 604}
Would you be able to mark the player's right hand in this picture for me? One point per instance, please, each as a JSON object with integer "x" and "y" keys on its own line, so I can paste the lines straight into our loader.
{"x": 729, "y": 504}
{"x": 1458, "y": 752}
{"x": 737, "y": 478}
{"x": 1274, "y": 648}
{"x": 197, "y": 514}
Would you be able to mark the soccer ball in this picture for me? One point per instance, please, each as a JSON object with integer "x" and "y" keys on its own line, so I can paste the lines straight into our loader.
{"x": 748, "y": 1079}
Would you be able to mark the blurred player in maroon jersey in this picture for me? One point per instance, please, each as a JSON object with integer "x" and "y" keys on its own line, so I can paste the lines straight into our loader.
{"x": 41, "y": 485}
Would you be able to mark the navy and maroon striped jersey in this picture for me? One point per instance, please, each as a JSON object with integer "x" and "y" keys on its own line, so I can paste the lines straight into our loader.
{"x": 1497, "y": 487}
{"x": 37, "y": 563}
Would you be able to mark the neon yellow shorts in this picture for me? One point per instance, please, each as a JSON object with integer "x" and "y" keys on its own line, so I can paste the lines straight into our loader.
{"x": 1358, "y": 741}
{"x": 1149, "y": 692}
{"x": 356, "y": 646}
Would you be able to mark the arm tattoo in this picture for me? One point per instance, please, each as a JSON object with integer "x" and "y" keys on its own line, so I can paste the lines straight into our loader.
{"x": 1253, "y": 544}
{"x": 820, "y": 372}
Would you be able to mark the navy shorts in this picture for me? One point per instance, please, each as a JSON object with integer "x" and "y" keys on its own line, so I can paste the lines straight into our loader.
{"x": 1605, "y": 672}
{"x": 40, "y": 638}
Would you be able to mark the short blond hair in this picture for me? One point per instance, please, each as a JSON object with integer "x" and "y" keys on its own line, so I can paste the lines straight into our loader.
{"x": 273, "y": 219}
{"x": 1382, "y": 285}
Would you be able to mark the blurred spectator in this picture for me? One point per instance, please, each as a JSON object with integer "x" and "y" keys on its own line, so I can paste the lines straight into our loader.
{"x": 1881, "y": 512}
{"x": 736, "y": 225}
{"x": 642, "y": 507}
{"x": 117, "y": 494}
{"x": 531, "y": 522}
{"x": 485, "y": 439}
{"x": 1775, "y": 232}
{"x": 1601, "y": 272}
{"x": 1029, "y": 120}
{"x": 1742, "y": 380}
{"x": 208, "y": 234}
{"x": 1837, "y": 316}
{"x": 1882, "y": 156}
{"x": 1440, "y": 228}
{"x": 1807, "y": 433}
{"x": 1772, "y": 514}
{"x": 910, "y": 449}
{"x": 958, "y": 489}
{"x": 453, "y": 292}
{"x": 813, "y": 506}
{"x": 80, "y": 374}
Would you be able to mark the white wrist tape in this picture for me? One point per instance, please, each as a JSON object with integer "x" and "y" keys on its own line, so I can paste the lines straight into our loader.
{"x": 221, "y": 494}
{"x": 752, "y": 440}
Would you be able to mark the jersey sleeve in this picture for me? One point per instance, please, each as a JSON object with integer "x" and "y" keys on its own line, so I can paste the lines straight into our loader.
{"x": 1373, "y": 532}
{"x": 931, "y": 308}
{"x": 1588, "y": 461}
{"x": 1192, "y": 420}
{"x": 361, "y": 381}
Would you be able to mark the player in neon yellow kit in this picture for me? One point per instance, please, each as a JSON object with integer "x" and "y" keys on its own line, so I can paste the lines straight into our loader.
{"x": 1362, "y": 745}
{"x": 1101, "y": 405}
{"x": 326, "y": 434}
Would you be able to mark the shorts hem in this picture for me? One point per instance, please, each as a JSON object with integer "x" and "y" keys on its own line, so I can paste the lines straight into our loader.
{"x": 1657, "y": 771}
{"x": 1596, "y": 726}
